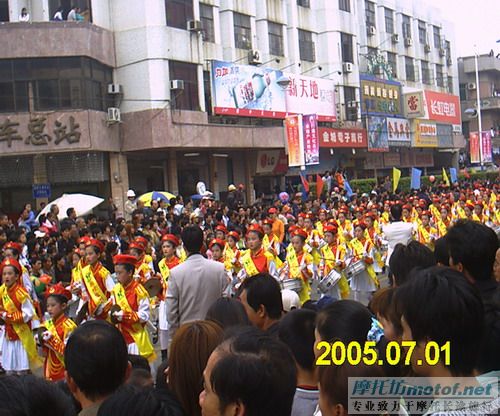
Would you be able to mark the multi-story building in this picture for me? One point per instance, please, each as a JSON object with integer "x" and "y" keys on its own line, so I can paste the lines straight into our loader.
{"x": 125, "y": 98}
{"x": 489, "y": 95}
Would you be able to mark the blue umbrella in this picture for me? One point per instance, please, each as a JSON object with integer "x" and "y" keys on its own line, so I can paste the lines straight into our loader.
{"x": 196, "y": 197}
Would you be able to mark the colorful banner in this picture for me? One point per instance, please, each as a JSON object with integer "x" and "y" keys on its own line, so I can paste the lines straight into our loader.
{"x": 311, "y": 95}
{"x": 311, "y": 139}
{"x": 398, "y": 132}
{"x": 380, "y": 97}
{"x": 453, "y": 175}
{"x": 377, "y": 134}
{"x": 396, "y": 176}
{"x": 487, "y": 150}
{"x": 416, "y": 174}
{"x": 443, "y": 107}
{"x": 272, "y": 162}
{"x": 425, "y": 134}
{"x": 474, "y": 147}
{"x": 247, "y": 90}
{"x": 329, "y": 137}
{"x": 294, "y": 136}
{"x": 413, "y": 105}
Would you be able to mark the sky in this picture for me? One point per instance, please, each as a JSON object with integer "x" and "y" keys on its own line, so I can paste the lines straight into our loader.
{"x": 476, "y": 22}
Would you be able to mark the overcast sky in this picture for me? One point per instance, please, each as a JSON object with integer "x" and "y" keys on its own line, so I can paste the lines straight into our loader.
{"x": 476, "y": 22}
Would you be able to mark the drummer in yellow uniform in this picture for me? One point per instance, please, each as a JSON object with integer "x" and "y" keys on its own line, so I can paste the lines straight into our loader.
{"x": 270, "y": 242}
{"x": 333, "y": 258}
{"x": 426, "y": 234}
{"x": 300, "y": 264}
{"x": 143, "y": 269}
{"x": 232, "y": 254}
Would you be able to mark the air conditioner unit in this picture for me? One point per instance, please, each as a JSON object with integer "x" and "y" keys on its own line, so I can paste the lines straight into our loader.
{"x": 395, "y": 38}
{"x": 114, "y": 115}
{"x": 471, "y": 86}
{"x": 114, "y": 89}
{"x": 427, "y": 48}
{"x": 348, "y": 67}
{"x": 442, "y": 52}
{"x": 408, "y": 42}
{"x": 177, "y": 85}
{"x": 372, "y": 30}
{"x": 254, "y": 57}
{"x": 194, "y": 26}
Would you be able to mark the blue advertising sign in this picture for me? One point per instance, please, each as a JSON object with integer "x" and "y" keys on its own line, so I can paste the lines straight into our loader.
{"x": 41, "y": 190}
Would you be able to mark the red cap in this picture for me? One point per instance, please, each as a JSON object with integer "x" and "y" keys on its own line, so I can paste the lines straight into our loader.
{"x": 330, "y": 229}
{"x": 60, "y": 290}
{"x": 267, "y": 222}
{"x": 171, "y": 238}
{"x": 14, "y": 246}
{"x": 125, "y": 259}
{"x": 84, "y": 240}
{"x": 469, "y": 204}
{"x": 11, "y": 262}
{"x": 218, "y": 242}
{"x": 135, "y": 245}
{"x": 362, "y": 225}
{"x": 292, "y": 228}
{"x": 406, "y": 206}
{"x": 309, "y": 216}
{"x": 234, "y": 234}
{"x": 96, "y": 243}
{"x": 256, "y": 228}
{"x": 142, "y": 241}
{"x": 299, "y": 232}
{"x": 272, "y": 210}
{"x": 427, "y": 213}
{"x": 221, "y": 228}
{"x": 302, "y": 215}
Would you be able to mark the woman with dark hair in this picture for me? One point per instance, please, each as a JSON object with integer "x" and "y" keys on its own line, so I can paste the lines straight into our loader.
{"x": 227, "y": 312}
{"x": 188, "y": 356}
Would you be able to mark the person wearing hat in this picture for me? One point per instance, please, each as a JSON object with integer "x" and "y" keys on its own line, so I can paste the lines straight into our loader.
{"x": 231, "y": 199}
{"x": 366, "y": 282}
{"x": 256, "y": 259}
{"x": 344, "y": 225}
{"x": 143, "y": 270}
{"x": 443, "y": 221}
{"x": 232, "y": 254}
{"x": 19, "y": 353}
{"x": 58, "y": 329}
{"x": 300, "y": 264}
{"x": 97, "y": 281}
{"x": 313, "y": 240}
{"x": 133, "y": 300}
{"x": 216, "y": 246}
{"x": 333, "y": 258}
{"x": 427, "y": 234}
{"x": 146, "y": 246}
{"x": 220, "y": 232}
{"x": 169, "y": 244}
{"x": 270, "y": 242}
{"x": 374, "y": 235}
{"x": 130, "y": 205}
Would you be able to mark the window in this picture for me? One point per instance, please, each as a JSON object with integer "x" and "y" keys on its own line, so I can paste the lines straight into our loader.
{"x": 392, "y": 62}
{"x": 207, "y": 22}
{"x": 56, "y": 83}
{"x": 370, "y": 13}
{"x": 440, "y": 76}
{"x": 242, "y": 31}
{"x": 406, "y": 26}
{"x": 303, "y": 3}
{"x": 422, "y": 32}
{"x": 307, "y": 48}
{"x": 188, "y": 98}
{"x": 426, "y": 73}
{"x": 275, "y": 39}
{"x": 462, "y": 91}
{"x": 409, "y": 69}
{"x": 4, "y": 10}
{"x": 447, "y": 47}
{"x": 450, "y": 84}
{"x": 389, "y": 20}
{"x": 351, "y": 106}
{"x": 345, "y": 5}
{"x": 179, "y": 12}
{"x": 346, "y": 44}
{"x": 84, "y": 5}
{"x": 437, "y": 37}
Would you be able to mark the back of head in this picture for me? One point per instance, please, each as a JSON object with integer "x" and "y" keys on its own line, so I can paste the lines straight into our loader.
{"x": 29, "y": 395}
{"x": 405, "y": 258}
{"x": 440, "y": 305}
{"x": 256, "y": 371}
{"x": 396, "y": 212}
{"x": 344, "y": 320}
{"x": 441, "y": 253}
{"x": 96, "y": 359}
{"x": 192, "y": 238}
{"x": 297, "y": 332}
{"x": 227, "y": 312}
{"x": 263, "y": 289}
{"x": 188, "y": 355}
{"x": 473, "y": 245}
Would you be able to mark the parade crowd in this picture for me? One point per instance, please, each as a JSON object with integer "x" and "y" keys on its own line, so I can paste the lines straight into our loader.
{"x": 217, "y": 307}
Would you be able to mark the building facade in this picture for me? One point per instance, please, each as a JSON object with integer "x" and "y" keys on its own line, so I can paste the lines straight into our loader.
{"x": 125, "y": 98}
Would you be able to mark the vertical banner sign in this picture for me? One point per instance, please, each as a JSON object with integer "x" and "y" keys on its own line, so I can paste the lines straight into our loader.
{"x": 311, "y": 139}
{"x": 486, "y": 138}
{"x": 474, "y": 147}
{"x": 294, "y": 136}
{"x": 378, "y": 138}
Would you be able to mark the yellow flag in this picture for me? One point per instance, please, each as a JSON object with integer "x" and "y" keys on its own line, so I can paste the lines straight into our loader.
{"x": 396, "y": 175}
{"x": 445, "y": 178}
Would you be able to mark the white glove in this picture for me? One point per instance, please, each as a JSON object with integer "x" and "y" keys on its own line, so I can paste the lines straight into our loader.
{"x": 118, "y": 315}
{"x": 46, "y": 336}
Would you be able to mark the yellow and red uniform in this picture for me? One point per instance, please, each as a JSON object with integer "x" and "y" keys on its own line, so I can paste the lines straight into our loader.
{"x": 301, "y": 266}
{"x": 60, "y": 329}
{"x": 95, "y": 281}
{"x": 260, "y": 262}
{"x": 333, "y": 253}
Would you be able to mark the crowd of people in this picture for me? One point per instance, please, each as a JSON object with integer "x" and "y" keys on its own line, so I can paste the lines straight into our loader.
{"x": 235, "y": 299}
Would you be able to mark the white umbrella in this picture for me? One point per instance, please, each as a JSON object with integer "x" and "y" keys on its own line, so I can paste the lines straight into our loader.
{"x": 83, "y": 204}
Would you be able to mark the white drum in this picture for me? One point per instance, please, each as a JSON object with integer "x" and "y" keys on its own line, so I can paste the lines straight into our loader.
{"x": 329, "y": 281}
{"x": 354, "y": 269}
{"x": 292, "y": 284}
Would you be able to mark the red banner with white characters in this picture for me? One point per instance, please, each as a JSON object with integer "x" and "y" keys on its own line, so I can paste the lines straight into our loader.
{"x": 294, "y": 136}
{"x": 329, "y": 137}
{"x": 443, "y": 107}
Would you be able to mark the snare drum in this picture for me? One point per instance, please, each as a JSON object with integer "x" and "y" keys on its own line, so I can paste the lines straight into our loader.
{"x": 292, "y": 284}
{"x": 329, "y": 281}
{"x": 354, "y": 269}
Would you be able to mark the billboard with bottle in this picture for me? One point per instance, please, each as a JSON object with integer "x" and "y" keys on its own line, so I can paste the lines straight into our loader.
{"x": 247, "y": 90}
